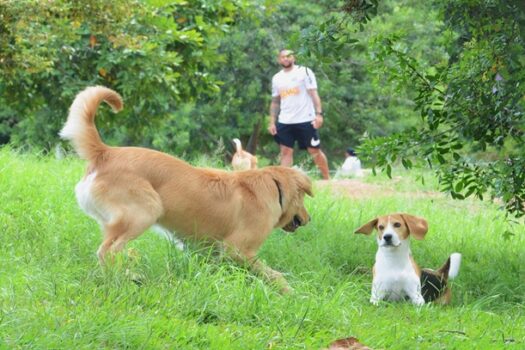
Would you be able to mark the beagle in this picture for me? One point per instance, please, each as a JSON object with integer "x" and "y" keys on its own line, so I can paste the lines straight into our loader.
{"x": 396, "y": 274}
{"x": 241, "y": 159}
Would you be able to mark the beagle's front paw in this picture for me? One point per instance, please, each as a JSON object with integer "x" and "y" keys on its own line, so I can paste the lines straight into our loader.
{"x": 375, "y": 301}
{"x": 418, "y": 300}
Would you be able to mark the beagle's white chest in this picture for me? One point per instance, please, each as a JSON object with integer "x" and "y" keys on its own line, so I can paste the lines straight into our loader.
{"x": 395, "y": 279}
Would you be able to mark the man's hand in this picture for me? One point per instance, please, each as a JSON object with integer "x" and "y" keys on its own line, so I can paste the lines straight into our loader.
{"x": 318, "y": 121}
{"x": 272, "y": 129}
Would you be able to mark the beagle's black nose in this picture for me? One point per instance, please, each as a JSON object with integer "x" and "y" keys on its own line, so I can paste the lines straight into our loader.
{"x": 387, "y": 237}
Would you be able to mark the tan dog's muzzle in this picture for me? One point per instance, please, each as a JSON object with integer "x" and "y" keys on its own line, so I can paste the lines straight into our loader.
{"x": 296, "y": 223}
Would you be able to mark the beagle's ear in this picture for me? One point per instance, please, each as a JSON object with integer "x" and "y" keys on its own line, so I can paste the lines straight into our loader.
{"x": 417, "y": 226}
{"x": 367, "y": 228}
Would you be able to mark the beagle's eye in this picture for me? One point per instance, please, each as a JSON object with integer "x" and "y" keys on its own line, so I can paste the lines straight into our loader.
{"x": 381, "y": 227}
{"x": 397, "y": 224}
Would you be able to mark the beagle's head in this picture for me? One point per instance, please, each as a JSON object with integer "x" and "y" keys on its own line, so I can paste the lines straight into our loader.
{"x": 394, "y": 229}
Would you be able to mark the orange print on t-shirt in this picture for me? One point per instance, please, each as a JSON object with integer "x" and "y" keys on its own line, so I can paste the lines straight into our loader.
{"x": 289, "y": 92}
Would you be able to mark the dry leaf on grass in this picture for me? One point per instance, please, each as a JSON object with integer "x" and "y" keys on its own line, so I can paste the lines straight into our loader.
{"x": 350, "y": 343}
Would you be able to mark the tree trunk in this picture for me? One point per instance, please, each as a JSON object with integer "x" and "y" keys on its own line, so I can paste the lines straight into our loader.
{"x": 254, "y": 138}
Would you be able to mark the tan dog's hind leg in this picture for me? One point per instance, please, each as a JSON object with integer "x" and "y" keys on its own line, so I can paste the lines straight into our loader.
{"x": 123, "y": 230}
{"x": 111, "y": 232}
{"x": 131, "y": 215}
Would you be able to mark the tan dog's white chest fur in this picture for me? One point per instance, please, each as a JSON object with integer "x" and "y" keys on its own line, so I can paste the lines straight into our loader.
{"x": 129, "y": 189}
{"x": 396, "y": 274}
{"x": 85, "y": 199}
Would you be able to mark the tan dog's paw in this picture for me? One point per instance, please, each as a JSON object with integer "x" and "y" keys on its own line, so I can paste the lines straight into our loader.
{"x": 287, "y": 290}
{"x": 135, "y": 277}
{"x": 133, "y": 254}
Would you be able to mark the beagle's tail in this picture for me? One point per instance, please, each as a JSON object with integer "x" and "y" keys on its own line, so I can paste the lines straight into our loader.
{"x": 455, "y": 263}
{"x": 80, "y": 126}
{"x": 450, "y": 268}
{"x": 238, "y": 145}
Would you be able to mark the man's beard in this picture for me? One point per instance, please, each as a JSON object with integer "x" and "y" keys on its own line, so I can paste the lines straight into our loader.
{"x": 286, "y": 65}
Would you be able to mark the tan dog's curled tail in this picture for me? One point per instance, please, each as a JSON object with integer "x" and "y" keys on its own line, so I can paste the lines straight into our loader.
{"x": 238, "y": 145}
{"x": 80, "y": 126}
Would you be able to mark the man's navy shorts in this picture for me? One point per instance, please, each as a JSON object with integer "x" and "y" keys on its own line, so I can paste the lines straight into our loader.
{"x": 304, "y": 133}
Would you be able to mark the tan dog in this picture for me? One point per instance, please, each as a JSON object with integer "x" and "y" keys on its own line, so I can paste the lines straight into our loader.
{"x": 396, "y": 274}
{"x": 129, "y": 189}
{"x": 241, "y": 159}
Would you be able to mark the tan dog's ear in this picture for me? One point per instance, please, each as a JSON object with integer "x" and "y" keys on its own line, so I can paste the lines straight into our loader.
{"x": 305, "y": 184}
{"x": 417, "y": 226}
{"x": 367, "y": 228}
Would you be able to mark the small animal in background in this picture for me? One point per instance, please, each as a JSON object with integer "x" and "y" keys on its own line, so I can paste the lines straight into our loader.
{"x": 396, "y": 274}
{"x": 241, "y": 159}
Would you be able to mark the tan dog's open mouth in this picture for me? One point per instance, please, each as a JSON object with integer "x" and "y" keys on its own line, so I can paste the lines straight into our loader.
{"x": 294, "y": 224}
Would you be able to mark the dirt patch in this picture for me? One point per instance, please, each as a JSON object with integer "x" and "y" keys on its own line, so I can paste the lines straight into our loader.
{"x": 357, "y": 189}
{"x": 353, "y": 188}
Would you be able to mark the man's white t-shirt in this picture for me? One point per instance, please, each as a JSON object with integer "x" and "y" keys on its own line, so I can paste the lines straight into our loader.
{"x": 296, "y": 104}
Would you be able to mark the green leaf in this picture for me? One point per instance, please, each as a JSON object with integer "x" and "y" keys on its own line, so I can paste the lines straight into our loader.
{"x": 406, "y": 163}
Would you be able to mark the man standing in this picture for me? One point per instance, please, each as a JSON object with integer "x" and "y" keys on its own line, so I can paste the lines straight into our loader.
{"x": 296, "y": 113}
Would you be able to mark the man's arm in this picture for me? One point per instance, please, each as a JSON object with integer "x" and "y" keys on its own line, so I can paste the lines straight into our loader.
{"x": 275, "y": 107}
{"x": 318, "y": 121}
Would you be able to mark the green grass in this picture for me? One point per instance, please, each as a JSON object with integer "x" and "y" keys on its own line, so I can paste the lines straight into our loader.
{"x": 53, "y": 294}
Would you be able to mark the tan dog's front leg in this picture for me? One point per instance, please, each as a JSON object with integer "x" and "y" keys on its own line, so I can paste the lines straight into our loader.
{"x": 274, "y": 277}
{"x": 250, "y": 260}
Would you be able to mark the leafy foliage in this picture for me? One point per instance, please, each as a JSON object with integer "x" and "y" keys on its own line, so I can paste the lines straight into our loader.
{"x": 192, "y": 74}
{"x": 474, "y": 102}
{"x": 425, "y": 83}
{"x": 470, "y": 104}
{"x": 360, "y": 100}
{"x": 155, "y": 53}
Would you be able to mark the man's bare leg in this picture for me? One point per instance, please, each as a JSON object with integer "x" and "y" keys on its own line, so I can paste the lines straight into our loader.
{"x": 286, "y": 156}
{"x": 321, "y": 161}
